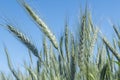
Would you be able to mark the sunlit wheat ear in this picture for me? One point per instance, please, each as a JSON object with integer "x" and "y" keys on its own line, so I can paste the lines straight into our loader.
{"x": 82, "y": 40}
{"x": 42, "y": 26}
{"x": 24, "y": 40}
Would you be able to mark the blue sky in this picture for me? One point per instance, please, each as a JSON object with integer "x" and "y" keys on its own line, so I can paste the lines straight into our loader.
{"x": 54, "y": 14}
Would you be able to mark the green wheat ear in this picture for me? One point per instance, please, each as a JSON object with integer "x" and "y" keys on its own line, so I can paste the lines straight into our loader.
{"x": 41, "y": 25}
{"x": 19, "y": 35}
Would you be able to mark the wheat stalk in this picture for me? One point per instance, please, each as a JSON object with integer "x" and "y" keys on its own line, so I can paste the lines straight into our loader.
{"x": 116, "y": 31}
{"x": 73, "y": 63}
{"x": 66, "y": 42}
{"x": 10, "y": 65}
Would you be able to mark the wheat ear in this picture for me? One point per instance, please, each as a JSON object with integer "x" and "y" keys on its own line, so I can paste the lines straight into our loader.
{"x": 24, "y": 40}
{"x": 42, "y": 26}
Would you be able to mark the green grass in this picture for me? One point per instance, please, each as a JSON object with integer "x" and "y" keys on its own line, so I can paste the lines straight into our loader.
{"x": 71, "y": 58}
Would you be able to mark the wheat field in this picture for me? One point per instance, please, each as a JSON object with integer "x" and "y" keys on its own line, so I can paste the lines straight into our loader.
{"x": 70, "y": 58}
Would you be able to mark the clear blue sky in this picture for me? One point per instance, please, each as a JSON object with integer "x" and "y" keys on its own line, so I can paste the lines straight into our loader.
{"x": 53, "y": 13}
